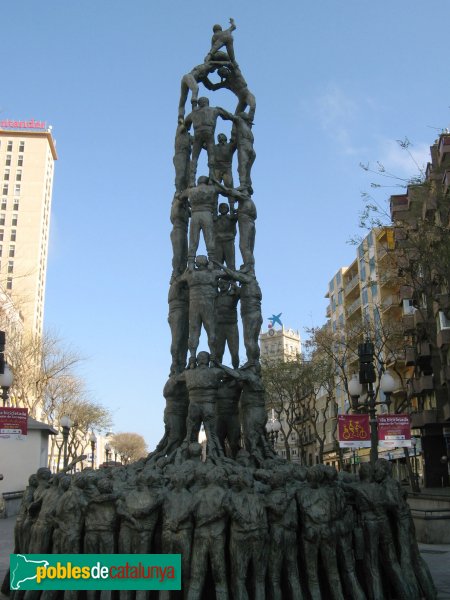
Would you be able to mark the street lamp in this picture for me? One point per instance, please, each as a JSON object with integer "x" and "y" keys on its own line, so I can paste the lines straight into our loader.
{"x": 416, "y": 474}
{"x": 93, "y": 441}
{"x": 367, "y": 377}
{"x": 6, "y": 380}
{"x": 66, "y": 424}
{"x": 273, "y": 428}
{"x": 107, "y": 450}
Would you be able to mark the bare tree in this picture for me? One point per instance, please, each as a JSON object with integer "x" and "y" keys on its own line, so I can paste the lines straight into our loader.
{"x": 130, "y": 446}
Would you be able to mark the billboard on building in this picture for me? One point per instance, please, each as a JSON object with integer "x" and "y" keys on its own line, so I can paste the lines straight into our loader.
{"x": 354, "y": 431}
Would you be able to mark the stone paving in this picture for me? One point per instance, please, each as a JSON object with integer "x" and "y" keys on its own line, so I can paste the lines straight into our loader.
{"x": 436, "y": 556}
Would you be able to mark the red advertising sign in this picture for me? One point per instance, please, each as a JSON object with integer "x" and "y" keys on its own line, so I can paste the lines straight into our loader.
{"x": 31, "y": 124}
{"x": 354, "y": 431}
{"x": 394, "y": 431}
{"x": 13, "y": 421}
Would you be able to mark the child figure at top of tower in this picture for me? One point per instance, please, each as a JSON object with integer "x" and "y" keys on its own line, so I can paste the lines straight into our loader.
{"x": 222, "y": 38}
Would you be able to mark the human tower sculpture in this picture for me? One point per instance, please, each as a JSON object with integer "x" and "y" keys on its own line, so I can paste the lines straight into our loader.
{"x": 247, "y": 523}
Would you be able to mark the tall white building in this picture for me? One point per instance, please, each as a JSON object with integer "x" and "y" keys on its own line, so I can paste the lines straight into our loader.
{"x": 27, "y": 157}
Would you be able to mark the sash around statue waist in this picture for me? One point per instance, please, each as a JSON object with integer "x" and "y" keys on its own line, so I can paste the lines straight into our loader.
{"x": 207, "y": 395}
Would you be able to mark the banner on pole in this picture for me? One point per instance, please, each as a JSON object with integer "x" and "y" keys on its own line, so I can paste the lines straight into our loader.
{"x": 354, "y": 431}
{"x": 394, "y": 431}
{"x": 13, "y": 421}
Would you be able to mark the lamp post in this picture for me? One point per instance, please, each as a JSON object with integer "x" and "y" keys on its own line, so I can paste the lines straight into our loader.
{"x": 416, "y": 475}
{"x": 93, "y": 441}
{"x": 66, "y": 424}
{"x": 107, "y": 451}
{"x": 367, "y": 378}
{"x": 273, "y": 428}
{"x": 6, "y": 381}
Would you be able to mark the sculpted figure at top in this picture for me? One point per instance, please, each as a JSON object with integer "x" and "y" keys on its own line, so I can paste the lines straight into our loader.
{"x": 191, "y": 80}
{"x": 204, "y": 119}
{"x": 231, "y": 78}
{"x": 220, "y": 39}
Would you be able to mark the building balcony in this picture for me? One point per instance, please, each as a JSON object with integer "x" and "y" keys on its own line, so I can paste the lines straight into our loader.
{"x": 392, "y": 301}
{"x": 431, "y": 174}
{"x": 408, "y": 322}
{"x": 425, "y": 417}
{"x": 443, "y": 338}
{"x": 444, "y": 149}
{"x": 351, "y": 285}
{"x": 446, "y": 411}
{"x": 419, "y": 317}
{"x": 426, "y": 384}
{"x": 410, "y": 356}
{"x": 429, "y": 207}
{"x": 399, "y": 204}
{"x": 400, "y": 234}
{"x": 441, "y": 302}
{"x": 445, "y": 374}
{"x": 328, "y": 312}
{"x": 446, "y": 181}
{"x": 388, "y": 278}
{"x": 356, "y": 305}
{"x": 406, "y": 292}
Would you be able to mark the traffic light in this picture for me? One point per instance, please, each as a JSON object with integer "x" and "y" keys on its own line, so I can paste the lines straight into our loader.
{"x": 366, "y": 369}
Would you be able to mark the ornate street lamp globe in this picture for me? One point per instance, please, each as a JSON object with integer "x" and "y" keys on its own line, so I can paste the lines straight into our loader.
{"x": 387, "y": 383}
{"x": 6, "y": 378}
{"x": 354, "y": 387}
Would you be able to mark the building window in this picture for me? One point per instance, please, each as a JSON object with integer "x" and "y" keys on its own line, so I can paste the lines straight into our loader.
{"x": 1, "y": 249}
{"x": 442, "y": 321}
{"x": 20, "y": 160}
{"x": 6, "y": 175}
{"x": 13, "y": 235}
{"x": 9, "y": 283}
{"x": 21, "y": 146}
{"x": 14, "y": 221}
{"x": 10, "y": 266}
{"x": 1, "y": 235}
{"x": 338, "y": 278}
{"x": 365, "y": 297}
{"x": 16, "y": 204}
{"x": 12, "y": 251}
{"x": 2, "y": 218}
{"x": 19, "y": 175}
{"x": 4, "y": 203}
{"x": 9, "y": 147}
{"x": 17, "y": 189}
{"x": 340, "y": 297}
{"x": 5, "y": 189}
{"x": 408, "y": 308}
{"x": 8, "y": 160}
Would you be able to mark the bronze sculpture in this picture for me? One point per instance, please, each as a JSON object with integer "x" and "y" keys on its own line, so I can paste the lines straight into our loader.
{"x": 235, "y": 510}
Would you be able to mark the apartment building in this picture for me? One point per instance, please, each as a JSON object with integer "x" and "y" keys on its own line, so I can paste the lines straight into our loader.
{"x": 27, "y": 157}
{"x": 422, "y": 248}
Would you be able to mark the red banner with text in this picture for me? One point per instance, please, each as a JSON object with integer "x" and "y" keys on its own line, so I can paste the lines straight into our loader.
{"x": 394, "y": 431}
{"x": 13, "y": 421}
{"x": 354, "y": 431}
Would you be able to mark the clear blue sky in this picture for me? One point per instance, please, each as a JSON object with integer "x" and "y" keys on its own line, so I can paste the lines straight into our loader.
{"x": 336, "y": 82}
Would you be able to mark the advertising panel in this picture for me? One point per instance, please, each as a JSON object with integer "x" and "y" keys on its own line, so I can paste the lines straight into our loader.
{"x": 394, "y": 431}
{"x": 354, "y": 431}
{"x": 13, "y": 421}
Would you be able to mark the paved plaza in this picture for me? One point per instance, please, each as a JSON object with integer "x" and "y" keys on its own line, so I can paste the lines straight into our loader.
{"x": 437, "y": 558}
